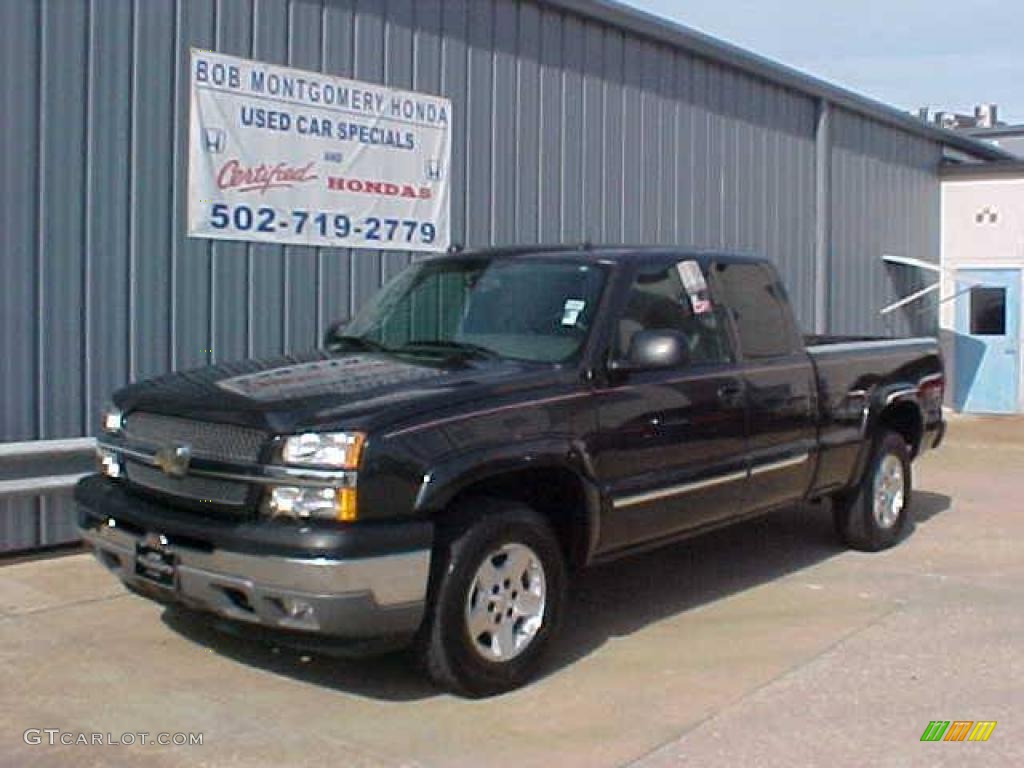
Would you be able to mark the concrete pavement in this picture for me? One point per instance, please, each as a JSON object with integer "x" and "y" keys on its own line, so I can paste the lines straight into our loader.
{"x": 764, "y": 644}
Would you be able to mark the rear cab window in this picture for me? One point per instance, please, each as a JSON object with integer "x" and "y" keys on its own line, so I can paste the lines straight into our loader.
{"x": 757, "y": 302}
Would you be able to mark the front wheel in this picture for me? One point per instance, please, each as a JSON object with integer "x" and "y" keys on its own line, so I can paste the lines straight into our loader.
{"x": 496, "y": 598}
{"x": 877, "y": 513}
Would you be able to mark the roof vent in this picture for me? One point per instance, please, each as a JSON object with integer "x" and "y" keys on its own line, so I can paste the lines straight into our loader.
{"x": 986, "y": 115}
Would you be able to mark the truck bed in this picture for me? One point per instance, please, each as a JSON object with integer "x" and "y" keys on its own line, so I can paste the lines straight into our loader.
{"x": 857, "y": 371}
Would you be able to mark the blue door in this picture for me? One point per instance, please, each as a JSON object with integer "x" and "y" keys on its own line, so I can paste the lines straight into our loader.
{"x": 987, "y": 340}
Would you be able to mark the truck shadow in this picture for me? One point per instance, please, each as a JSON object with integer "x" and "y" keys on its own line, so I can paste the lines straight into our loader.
{"x": 613, "y": 600}
{"x": 623, "y": 597}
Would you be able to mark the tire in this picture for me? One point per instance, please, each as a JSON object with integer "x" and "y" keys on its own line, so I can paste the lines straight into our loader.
{"x": 875, "y": 515}
{"x": 501, "y": 567}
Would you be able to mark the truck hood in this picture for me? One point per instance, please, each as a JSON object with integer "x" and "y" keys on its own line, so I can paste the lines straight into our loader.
{"x": 322, "y": 390}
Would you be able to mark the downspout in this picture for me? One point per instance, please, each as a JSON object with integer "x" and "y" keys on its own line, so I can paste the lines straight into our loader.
{"x": 822, "y": 215}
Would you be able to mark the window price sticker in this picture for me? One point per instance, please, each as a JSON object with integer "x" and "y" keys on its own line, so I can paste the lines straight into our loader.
{"x": 695, "y": 285}
{"x": 692, "y": 277}
{"x": 571, "y": 311}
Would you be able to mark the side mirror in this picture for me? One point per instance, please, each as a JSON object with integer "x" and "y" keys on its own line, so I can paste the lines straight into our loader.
{"x": 334, "y": 329}
{"x": 653, "y": 350}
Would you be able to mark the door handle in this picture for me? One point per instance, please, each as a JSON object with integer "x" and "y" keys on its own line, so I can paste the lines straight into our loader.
{"x": 730, "y": 395}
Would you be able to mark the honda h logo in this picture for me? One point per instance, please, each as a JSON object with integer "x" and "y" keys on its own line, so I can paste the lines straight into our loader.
{"x": 214, "y": 140}
{"x": 174, "y": 459}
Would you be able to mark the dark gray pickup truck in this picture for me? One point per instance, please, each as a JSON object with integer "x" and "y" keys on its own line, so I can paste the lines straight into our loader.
{"x": 487, "y": 424}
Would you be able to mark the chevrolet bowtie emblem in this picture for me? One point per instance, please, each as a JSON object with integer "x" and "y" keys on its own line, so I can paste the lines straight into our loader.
{"x": 174, "y": 459}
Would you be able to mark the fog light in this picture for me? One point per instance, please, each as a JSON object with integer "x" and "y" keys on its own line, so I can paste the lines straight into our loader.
{"x": 323, "y": 503}
{"x": 297, "y": 609}
{"x": 108, "y": 463}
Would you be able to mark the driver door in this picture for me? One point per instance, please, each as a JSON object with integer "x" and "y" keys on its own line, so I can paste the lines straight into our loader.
{"x": 671, "y": 443}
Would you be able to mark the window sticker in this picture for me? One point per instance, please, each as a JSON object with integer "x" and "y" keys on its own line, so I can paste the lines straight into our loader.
{"x": 695, "y": 285}
{"x": 692, "y": 277}
{"x": 571, "y": 311}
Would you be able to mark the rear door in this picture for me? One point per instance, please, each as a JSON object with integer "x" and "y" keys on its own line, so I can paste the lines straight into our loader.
{"x": 780, "y": 383}
{"x": 670, "y": 445}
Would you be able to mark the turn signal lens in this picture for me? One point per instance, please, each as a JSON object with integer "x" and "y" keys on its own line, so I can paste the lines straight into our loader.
{"x": 345, "y": 504}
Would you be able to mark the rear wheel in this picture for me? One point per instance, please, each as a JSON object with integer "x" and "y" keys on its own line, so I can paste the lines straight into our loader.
{"x": 875, "y": 515}
{"x": 496, "y": 598}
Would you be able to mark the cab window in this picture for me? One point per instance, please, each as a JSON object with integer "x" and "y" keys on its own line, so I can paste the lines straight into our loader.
{"x": 760, "y": 308}
{"x": 674, "y": 297}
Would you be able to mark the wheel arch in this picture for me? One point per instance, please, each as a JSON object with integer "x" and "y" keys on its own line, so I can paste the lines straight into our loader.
{"x": 905, "y": 418}
{"x": 895, "y": 408}
{"x": 553, "y": 485}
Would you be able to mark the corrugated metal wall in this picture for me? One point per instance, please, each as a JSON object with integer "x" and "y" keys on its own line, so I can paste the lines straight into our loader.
{"x": 884, "y": 200}
{"x": 566, "y": 129}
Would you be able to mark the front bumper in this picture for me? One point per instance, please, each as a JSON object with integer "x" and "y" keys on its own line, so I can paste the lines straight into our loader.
{"x": 380, "y": 596}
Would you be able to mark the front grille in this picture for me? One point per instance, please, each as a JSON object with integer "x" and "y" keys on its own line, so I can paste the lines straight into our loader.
{"x": 206, "y": 440}
{"x": 204, "y": 490}
{"x": 223, "y": 442}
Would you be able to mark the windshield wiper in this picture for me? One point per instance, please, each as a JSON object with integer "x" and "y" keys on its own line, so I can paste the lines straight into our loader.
{"x": 360, "y": 342}
{"x": 455, "y": 346}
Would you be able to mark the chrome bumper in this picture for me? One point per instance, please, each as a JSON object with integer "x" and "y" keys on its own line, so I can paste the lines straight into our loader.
{"x": 348, "y": 599}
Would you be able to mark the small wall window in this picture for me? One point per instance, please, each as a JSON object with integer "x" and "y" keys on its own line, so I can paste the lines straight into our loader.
{"x": 988, "y": 311}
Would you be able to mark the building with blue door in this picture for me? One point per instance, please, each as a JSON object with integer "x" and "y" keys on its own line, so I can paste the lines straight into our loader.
{"x": 983, "y": 269}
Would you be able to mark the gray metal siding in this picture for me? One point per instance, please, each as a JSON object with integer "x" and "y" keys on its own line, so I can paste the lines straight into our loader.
{"x": 567, "y": 128}
{"x": 885, "y": 200}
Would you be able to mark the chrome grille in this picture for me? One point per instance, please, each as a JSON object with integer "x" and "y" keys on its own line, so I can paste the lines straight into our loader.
{"x": 195, "y": 488}
{"x": 224, "y": 442}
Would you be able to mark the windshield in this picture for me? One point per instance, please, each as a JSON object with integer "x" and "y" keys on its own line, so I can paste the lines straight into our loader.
{"x": 525, "y": 309}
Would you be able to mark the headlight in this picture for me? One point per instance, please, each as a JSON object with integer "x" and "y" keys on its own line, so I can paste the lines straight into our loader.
{"x": 324, "y": 503}
{"x": 112, "y": 419}
{"x": 338, "y": 450}
{"x": 108, "y": 463}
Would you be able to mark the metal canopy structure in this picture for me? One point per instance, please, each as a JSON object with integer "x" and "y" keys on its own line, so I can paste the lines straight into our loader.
{"x": 928, "y": 267}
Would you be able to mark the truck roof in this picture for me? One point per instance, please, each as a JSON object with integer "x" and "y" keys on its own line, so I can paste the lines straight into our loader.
{"x": 610, "y": 253}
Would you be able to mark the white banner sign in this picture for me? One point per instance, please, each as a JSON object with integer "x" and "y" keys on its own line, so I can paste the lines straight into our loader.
{"x": 287, "y": 156}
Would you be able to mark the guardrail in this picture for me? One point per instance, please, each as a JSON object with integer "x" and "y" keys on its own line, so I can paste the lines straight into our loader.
{"x": 40, "y": 467}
